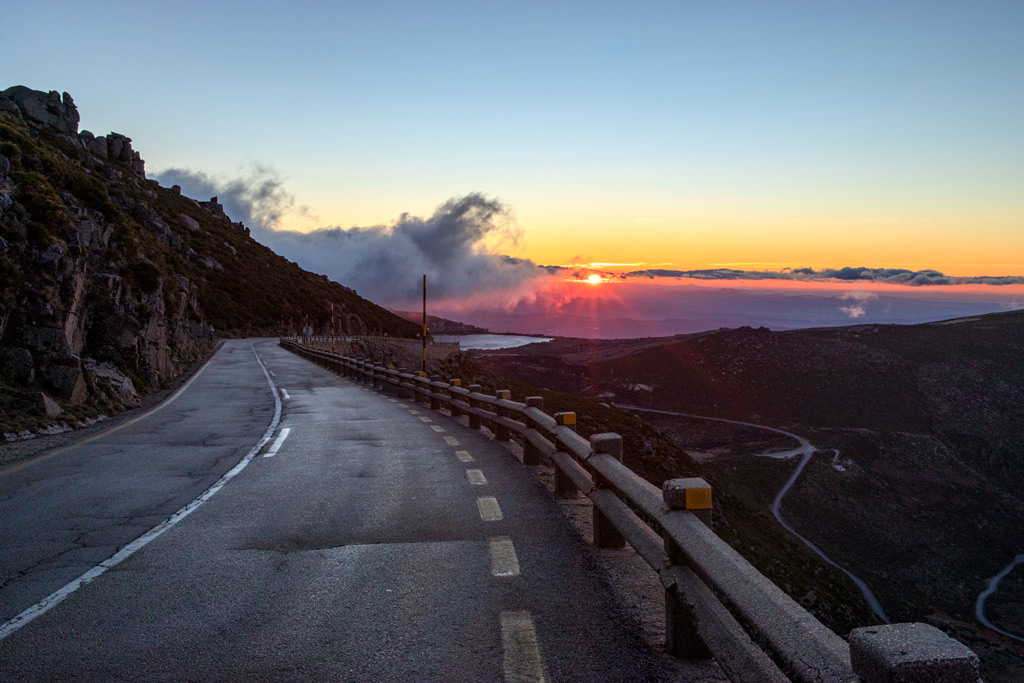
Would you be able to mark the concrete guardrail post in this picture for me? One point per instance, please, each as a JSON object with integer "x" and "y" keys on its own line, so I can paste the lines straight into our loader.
{"x": 435, "y": 402}
{"x": 422, "y": 389}
{"x": 474, "y": 420}
{"x": 605, "y": 533}
{"x": 910, "y": 653}
{"x": 531, "y": 454}
{"x": 501, "y": 432}
{"x": 404, "y": 391}
{"x": 456, "y": 412}
{"x": 564, "y": 488}
{"x": 681, "y": 637}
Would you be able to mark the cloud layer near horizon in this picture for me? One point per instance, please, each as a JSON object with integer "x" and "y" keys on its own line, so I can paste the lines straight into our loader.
{"x": 386, "y": 262}
{"x": 893, "y": 276}
{"x": 383, "y": 263}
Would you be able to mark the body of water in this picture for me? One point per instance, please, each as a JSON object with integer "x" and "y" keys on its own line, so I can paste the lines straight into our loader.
{"x": 489, "y": 341}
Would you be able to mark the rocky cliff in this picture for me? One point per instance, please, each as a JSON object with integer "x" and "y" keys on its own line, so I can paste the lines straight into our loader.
{"x": 110, "y": 285}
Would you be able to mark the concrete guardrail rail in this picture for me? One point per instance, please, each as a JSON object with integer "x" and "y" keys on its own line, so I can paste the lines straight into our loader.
{"x": 716, "y": 603}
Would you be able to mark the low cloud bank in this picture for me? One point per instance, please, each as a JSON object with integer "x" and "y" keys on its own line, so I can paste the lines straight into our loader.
{"x": 895, "y": 276}
{"x": 385, "y": 263}
{"x": 859, "y": 299}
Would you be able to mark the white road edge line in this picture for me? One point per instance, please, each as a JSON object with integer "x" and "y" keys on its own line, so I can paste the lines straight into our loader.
{"x": 59, "y": 595}
{"x": 504, "y": 562}
{"x": 464, "y": 456}
{"x": 476, "y": 477}
{"x": 437, "y": 428}
{"x": 452, "y": 441}
{"x": 272, "y": 451}
{"x": 524, "y": 662}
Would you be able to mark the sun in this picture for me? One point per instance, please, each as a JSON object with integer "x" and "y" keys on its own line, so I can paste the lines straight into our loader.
{"x": 595, "y": 279}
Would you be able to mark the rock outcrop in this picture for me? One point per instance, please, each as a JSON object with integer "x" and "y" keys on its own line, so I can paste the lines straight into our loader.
{"x": 111, "y": 285}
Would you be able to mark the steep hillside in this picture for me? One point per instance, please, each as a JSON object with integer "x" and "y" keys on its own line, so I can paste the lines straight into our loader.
{"x": 111, "y": 284}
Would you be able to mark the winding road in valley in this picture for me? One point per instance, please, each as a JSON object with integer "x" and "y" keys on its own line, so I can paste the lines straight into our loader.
{"x": 993, "y": 586}
{"x": 805, "y": 450}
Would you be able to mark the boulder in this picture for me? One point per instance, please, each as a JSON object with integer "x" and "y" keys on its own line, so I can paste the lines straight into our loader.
{"x": 190, "y": 223}
{"x": 113, "y": 383}
{"x": 17, "y": 365}
{"x": 44, "y": 340}
{"x": 65, "y": 380}
{"x": 98, "y": 146}
{"x": 5, "y": 166}
{"x": 8, "y": 106}
{"x": 49, "y": 406}
{"x": 87, "y": 235}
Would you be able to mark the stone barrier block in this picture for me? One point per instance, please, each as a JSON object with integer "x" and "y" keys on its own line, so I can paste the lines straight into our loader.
{"x": 609, "y": 443}
{"x": 911, "y": 653}
{"x": 692, "y": 493}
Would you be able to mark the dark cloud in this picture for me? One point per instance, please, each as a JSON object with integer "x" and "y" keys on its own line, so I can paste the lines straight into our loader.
{"x": 899, "y": 276}
{"x": 383, "y": 263}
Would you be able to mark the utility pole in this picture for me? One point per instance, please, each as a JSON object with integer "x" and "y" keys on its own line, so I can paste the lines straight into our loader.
{"x": 424, "y": 322}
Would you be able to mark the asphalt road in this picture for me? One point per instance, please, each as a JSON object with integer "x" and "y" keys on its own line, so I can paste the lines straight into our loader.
{"x": 380, "y": 541}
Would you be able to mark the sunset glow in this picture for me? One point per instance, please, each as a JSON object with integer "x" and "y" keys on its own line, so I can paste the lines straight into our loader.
{"x": 681, "y": 137}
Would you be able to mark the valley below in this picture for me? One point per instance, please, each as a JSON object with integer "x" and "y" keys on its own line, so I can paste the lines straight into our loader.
{"x": 914, "y": 483}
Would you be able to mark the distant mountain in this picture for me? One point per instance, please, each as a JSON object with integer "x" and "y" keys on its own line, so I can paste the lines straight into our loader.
{"x": 630, "y": 310}
{"x": 111, "y": 284}
{"x": 437, "y": 325}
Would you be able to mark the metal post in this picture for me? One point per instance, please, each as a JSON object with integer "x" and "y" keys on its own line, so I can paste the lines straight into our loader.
{"x": 424, "y": 324}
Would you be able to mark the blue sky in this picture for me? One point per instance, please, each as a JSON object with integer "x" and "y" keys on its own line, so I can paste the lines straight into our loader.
{"x": 822, "y": 134}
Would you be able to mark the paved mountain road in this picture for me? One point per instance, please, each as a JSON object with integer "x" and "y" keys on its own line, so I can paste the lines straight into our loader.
{"x": 381, "y": 541}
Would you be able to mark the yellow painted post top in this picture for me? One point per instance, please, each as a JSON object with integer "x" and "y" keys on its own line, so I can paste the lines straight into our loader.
{"x": 566, "y": 419}
{"x": 421, "y": 374}
{"x": 698, "y": 499}
{"x": 390, "y": 366}
{"x": 503, "y": 393}
{"x": 455, "y": 382}
{"x": 692, "y": 493}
